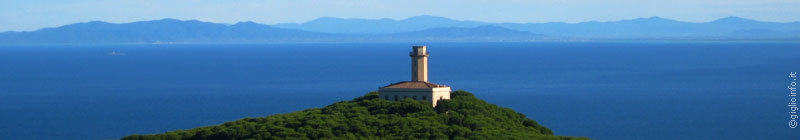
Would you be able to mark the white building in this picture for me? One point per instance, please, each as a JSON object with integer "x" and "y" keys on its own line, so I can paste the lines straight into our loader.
{"x": 418, "y": 88}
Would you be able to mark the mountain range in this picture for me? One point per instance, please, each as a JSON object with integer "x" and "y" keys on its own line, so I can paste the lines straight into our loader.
{"x": 419, "y": 29}
{"x": 640, "y": 28}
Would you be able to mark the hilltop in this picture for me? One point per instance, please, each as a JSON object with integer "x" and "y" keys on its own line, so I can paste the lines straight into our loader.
{"x": 369, "y": 117}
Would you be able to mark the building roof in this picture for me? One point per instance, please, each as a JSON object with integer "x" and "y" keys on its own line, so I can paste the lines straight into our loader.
{"x": 414, "y": 84}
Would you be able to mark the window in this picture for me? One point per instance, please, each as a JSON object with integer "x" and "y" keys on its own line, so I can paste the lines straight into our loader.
{"x": 423, "y": 97}
{"x": 404, "y": 97}
{"x": 395, "y": 98}
{"x": 415, "y": 97}
{"x": 386, "y": 97}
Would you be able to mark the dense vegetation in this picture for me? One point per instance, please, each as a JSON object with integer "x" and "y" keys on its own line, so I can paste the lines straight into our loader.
{"x": 369, "y": 117}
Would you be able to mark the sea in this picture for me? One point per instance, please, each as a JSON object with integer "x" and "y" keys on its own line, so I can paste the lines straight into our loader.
{"x": 604, "y": 90}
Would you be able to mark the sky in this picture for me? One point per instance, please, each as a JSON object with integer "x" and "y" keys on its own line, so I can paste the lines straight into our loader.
{"x": 28, "y": 15}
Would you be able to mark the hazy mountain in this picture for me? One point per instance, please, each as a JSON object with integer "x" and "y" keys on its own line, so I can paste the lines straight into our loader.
{"x": 480, "y": 33}
{"x": 378, "y": 26}
{"x": 653, "y": 27}
{"x": 420, "y": 28}
{"x": 156, "y": 31}
{"x": 648, "y": 28}
{"x": 192, "y": 31}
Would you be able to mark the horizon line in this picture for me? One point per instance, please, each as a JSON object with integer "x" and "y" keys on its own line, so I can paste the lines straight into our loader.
{"x": 395, "y": 19}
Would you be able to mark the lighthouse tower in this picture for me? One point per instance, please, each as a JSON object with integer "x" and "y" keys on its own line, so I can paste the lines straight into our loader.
{"x": 419, "y": 63}
{"x": 418, "y": 88}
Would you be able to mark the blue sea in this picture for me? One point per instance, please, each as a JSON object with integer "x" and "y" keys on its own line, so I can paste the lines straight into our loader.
{"x": 625, "y": 90}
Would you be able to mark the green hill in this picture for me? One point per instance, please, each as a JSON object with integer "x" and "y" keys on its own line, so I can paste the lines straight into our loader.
{"x": 369, "y": 117}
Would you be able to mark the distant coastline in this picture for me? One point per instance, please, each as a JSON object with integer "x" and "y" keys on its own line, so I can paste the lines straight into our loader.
{"x": 650, "y": 41}
{"x": 415, "y": 29}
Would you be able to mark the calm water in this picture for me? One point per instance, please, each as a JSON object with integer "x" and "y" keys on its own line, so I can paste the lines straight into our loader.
{"x": 603, "y": 90}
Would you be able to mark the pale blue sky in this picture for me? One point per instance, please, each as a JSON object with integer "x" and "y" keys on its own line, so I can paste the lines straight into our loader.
{"x": 25, "y": 15}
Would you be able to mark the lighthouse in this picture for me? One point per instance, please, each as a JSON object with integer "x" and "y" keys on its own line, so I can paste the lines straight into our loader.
{"x": 419, "y": 63}
{"x": 419, "y": 88}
